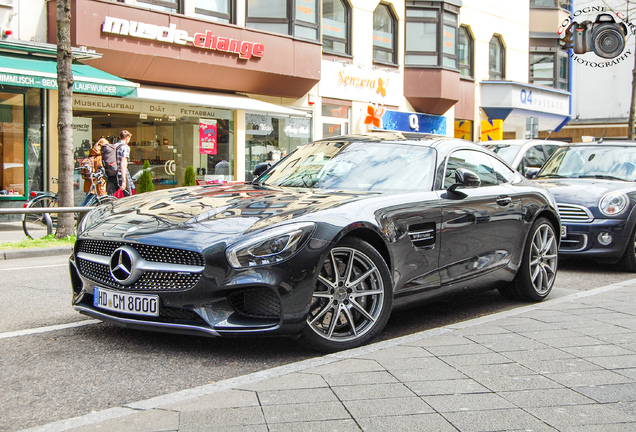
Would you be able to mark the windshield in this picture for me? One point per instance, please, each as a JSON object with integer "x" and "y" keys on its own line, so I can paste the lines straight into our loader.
{"x": 356, "y": 166}
{"x": 604, "y": 162}
{"x": 506, "y": 152}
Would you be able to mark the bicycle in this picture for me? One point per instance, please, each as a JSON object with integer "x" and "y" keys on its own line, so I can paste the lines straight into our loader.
{"x": 39, "y": 225}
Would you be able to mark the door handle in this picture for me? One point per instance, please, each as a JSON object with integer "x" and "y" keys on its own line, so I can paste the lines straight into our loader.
{"x": 504, "y": 200}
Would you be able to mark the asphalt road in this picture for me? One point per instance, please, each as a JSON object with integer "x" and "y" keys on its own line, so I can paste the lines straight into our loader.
{"x": 51, "y": 373}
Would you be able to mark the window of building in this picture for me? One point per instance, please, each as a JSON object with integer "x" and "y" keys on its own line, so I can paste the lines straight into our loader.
{"x": 298, "y": 18}
{"x": 465, "y": 50}
{"x": 549, "y": 65}
{"x": 563, "y": 4}
{"x": 335, "y": 118}
{"x": 20, "y": 123}
{"x": 215, "y": 10}
{"x": 175, "y": 6}
{"x": 431, "y": 34}
{"x": 384, "y": 35}
{"x": 497, "y": 57}
{"x": 336, "y": 16}
{"x": 269, "y": 139}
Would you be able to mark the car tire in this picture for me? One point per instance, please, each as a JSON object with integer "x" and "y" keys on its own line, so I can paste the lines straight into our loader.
{"x": 535, "y": 278}
{"x": 628, "y": 260}
{"x": 361, "y": 293}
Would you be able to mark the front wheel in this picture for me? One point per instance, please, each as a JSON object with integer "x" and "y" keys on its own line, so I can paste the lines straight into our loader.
{"x": 352, "y": 298}
{"x": 628, "y": 260}
{"x": 538, "y": 270}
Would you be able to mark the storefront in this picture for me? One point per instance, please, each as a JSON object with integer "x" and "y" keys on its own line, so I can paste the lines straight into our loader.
{"x": 28, "y": 88}
{"x": 219, "y": 98}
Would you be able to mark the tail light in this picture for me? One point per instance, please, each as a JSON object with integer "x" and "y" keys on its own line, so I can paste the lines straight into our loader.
{"x": 33, "y": 194}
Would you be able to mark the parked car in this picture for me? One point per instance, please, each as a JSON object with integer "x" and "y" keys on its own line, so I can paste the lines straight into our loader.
{"x": 526, "y": 156}
{"x": 323, "y": 245}
{"x": 595, "y": 192}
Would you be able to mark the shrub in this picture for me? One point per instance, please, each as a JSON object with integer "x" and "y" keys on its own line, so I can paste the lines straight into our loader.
{"x": 189, "y": 177}
{"x": 145, "y": 179}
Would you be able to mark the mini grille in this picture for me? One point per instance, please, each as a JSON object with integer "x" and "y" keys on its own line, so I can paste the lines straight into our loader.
{"x": 149, "y": 281}
{"x": 422, "y": 234}
{"x": 255, "y": 303}
{"x": 574, "y": 213}
{"x": 147, "y": 252}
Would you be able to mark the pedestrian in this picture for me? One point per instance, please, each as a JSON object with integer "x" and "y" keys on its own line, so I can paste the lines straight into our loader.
{"x": 124, "y": 178}
{"x": 94, "y": 173}
{"x": 223, "y": 167}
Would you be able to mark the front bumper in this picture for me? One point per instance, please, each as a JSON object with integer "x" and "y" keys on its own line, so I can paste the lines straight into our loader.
{"x": 582, "y": 239}
{"x": 218, "y": 301}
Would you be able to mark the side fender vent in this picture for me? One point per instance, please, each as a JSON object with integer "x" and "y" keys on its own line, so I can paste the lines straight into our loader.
{"x": 422, "y": 235}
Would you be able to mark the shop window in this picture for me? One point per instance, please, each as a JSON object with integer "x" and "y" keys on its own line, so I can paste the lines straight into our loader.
{"x": 549, "y": 65}
{"x": 180, "y": 137}
{"x": 175, "y": 6}
{"x": 431, "y": 34}
{"x": 298, "y": 18}
{"x": 465, "y": 50}
{"x": 269, "y": 139}
{"x": 12, "y": 150}
{"x": 497, "y": 59}
{"x": 215, "y": 10}
{"x": 336, "y": 19}
{"x": 384, "y": 35}
{"x": 335, "y": 119}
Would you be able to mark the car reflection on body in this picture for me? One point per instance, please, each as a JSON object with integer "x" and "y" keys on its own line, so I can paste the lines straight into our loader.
{"x": 593, "y": 184}
{"x": 322, "y": 245}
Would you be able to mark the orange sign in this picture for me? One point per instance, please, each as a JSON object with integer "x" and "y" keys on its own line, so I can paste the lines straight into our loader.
{"x": 491, "y": 130}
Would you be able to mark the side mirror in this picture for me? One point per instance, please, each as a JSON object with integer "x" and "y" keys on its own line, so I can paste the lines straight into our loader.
{"x": 531, "y": 172}
{"x": 261, "y": 168}
{"x": 465, "y": 178}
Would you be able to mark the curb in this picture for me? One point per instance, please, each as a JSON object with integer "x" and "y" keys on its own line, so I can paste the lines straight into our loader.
{"x": 35, "y": 252}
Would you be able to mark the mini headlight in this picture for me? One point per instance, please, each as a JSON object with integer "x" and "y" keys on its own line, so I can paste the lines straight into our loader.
{"x": 613, "y": 203}
{"x": 269, "y": 247}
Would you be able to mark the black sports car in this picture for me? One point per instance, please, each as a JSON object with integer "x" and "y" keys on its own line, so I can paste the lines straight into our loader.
{"x": 322, "y": 245}
{"x": 596, "y": 195}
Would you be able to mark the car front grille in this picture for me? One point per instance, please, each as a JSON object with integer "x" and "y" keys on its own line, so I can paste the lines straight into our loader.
{"x": 150, "y": 280}
{"x": 256, "y": 303}
{"x": 574, "y": 213}
{"x": 147, "y": 252}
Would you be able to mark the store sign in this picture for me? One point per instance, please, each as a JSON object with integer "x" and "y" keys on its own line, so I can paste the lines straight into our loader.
{"x": 361, "y": 83}
{"x": 207, "y": 136}
{"x": 297, "y": 128}
{"x": 491, "y": 130}
{"x": 258, "y": 124}
{"x": 172, "y": 35}
{"x": 413, "y": 122}
{"x": 151, "y": 110}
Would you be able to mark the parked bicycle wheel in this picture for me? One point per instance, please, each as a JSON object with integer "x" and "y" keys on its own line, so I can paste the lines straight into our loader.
{"x": 38, "y": 225}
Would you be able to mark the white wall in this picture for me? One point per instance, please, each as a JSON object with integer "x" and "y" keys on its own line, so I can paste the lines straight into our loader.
{"x": 26, "y": 18}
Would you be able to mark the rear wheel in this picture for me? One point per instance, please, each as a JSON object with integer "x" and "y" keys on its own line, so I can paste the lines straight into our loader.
{"x": 352, "y": 298}
{"x": 537, "y": 273}
{"x": 38, "y": 225}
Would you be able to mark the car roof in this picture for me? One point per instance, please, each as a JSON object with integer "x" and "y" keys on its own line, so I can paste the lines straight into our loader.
{"x": 429, "y": 140}
{"x": 521, "y": 142}
{"x": 603, "y": 143}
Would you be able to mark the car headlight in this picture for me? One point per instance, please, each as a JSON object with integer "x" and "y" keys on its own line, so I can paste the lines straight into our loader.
{"x": 269, "y": 247}
{"x": 614, "y": 203}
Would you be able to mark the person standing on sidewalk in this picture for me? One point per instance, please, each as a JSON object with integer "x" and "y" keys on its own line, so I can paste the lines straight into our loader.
{"x": 124, "y": 178}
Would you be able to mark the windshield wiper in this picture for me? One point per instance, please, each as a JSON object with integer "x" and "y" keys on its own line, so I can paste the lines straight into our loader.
{"x": 550, "y": 176}
{"x": 602, "y": 176}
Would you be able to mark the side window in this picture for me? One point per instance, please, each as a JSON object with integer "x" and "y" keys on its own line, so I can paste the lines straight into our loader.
{"x": 534, "y": 158}
{"x": 475, "y": 161}
{"x": 549, "y": 149}
{"x": 502, "y": 172}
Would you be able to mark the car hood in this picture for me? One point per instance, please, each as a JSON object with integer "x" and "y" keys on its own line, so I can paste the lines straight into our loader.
{"x": 197, "y": 217}
{"x": 585, "y": 192}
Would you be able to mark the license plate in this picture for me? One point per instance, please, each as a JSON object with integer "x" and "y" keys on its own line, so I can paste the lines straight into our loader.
{"x": 137, "y": 304}
{"x": 564, "y": 231}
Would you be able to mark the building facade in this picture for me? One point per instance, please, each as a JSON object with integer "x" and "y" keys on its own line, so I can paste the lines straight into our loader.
{"x": 239, "y": 82}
